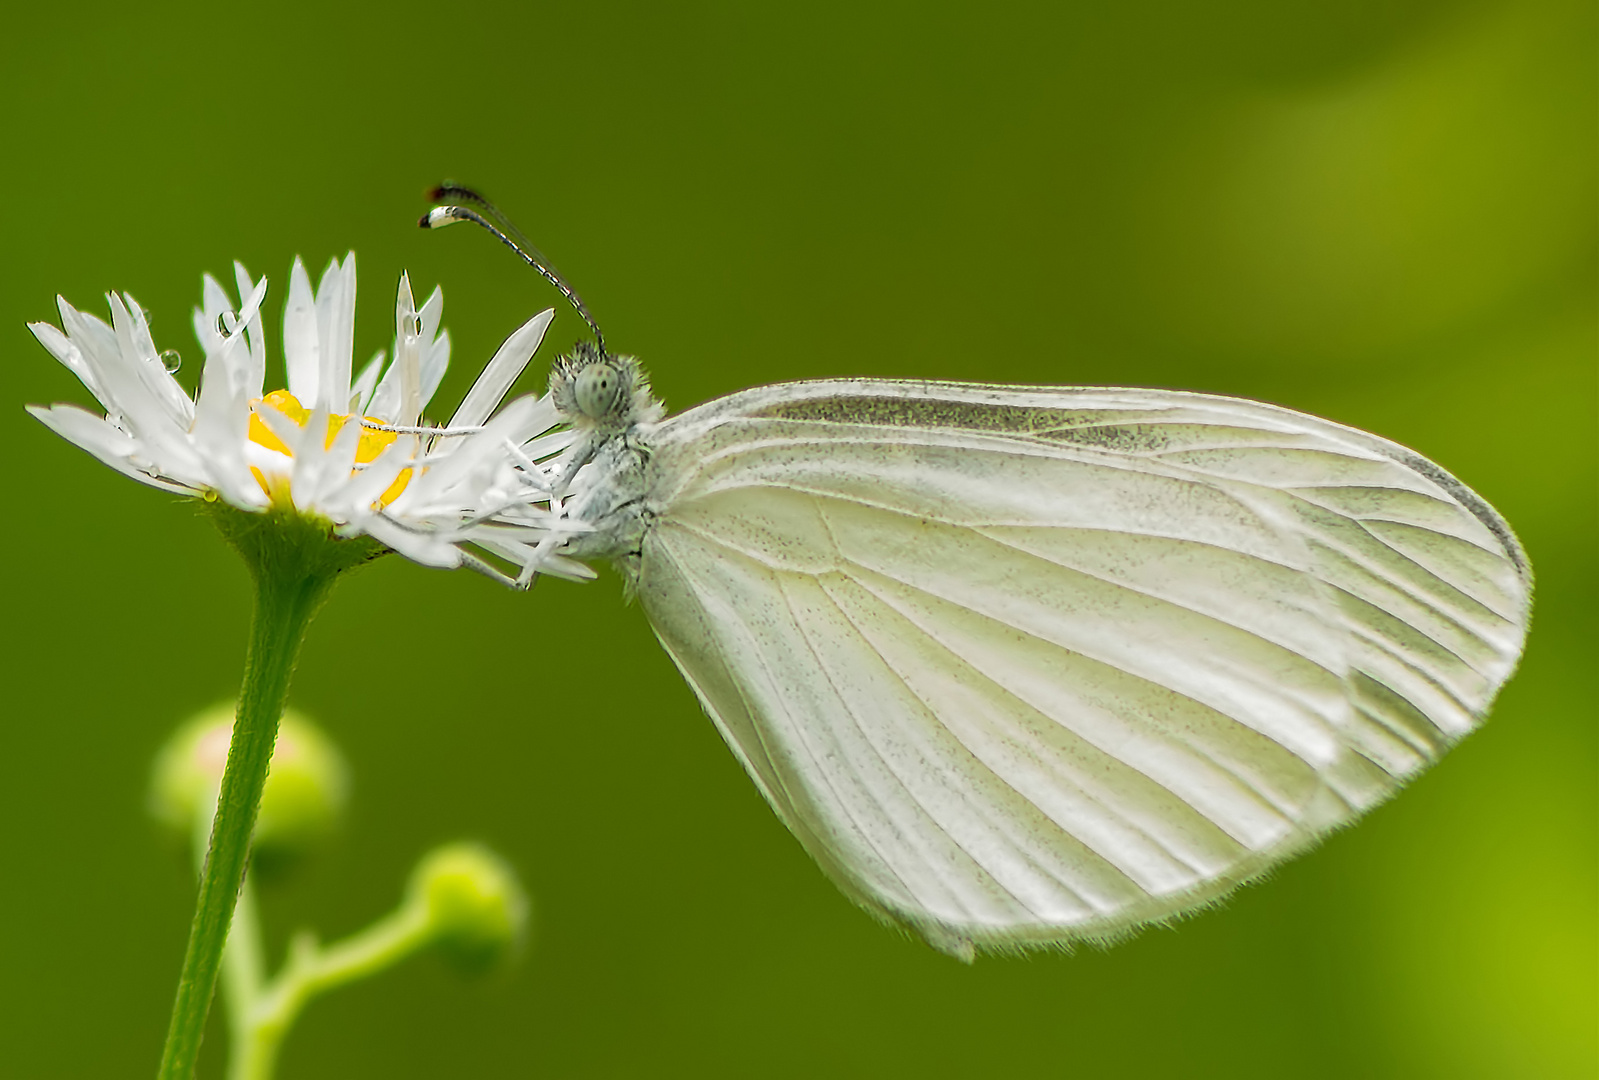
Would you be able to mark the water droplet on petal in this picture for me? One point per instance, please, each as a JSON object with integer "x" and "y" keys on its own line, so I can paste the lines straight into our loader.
{"x": 227, "y": 322}
{"x": 171, "y": 360}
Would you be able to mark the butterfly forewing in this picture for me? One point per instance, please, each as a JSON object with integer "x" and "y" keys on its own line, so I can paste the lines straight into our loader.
{"x": 1024, "y": 666}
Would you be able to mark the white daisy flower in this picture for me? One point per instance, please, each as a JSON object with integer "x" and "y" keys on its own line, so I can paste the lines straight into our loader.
{"x": 354, "y": 452}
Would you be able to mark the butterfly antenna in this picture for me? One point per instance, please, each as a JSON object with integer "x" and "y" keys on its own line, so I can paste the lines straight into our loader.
{"x": 451, "y": 192}
{"x": 441, "y": 216}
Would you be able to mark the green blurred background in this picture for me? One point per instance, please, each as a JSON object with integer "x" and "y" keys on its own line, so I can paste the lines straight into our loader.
{"x": 1382, "y": 213}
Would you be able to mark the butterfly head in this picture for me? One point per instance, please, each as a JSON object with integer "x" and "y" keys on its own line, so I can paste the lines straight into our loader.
{"x": 606, "y": 393}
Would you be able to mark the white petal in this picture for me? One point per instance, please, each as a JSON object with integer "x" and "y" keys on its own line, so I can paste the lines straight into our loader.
{"x": 385, "y": 400}
{"x": 214, "y": 301}
{"x": 301, "y": 344}
{"x": 570, "y": 569}
{"x": 486, "y": 447}
{"x": 339, "y": 462}
{"x": 119, "y": 373}
{"x": 547, "y": 445}
{"x": 110, "y": 445}
{"x": 235, "y": 350}
{"x": 93, "y": 433}
{"x": 270, "y": 462}
{"x": 335, "y": 303}
{"x": 88, "y": 333}
{"x": 367, "y": 486}
{"x": 422, "y": 548}
{"x": 70, "y": 356}
{"x": 279, "y": 424}
{"x": 310, "y": 461}
{"x": 508, "y": 363}
{"x": 365, "y": 383}
{"x": 434, "y": 348}
{"x": 254, "y": 373}
{"x": 221, "y": 432}
{"x": 407, "y": 356}
{"x": 139, "y": 353}
{"x": 435, "y": 362}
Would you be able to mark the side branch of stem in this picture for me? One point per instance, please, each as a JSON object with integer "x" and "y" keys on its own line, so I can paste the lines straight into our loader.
{"x": 260, "y": 1025}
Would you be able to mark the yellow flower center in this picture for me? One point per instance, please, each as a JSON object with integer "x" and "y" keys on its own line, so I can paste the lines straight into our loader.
{"x": 372, "y": 443}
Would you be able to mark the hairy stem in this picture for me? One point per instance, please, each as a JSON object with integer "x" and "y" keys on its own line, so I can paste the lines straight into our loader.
{"x": 284, "y": 606}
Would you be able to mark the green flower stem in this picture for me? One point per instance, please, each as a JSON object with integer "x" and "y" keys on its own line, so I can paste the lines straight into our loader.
{"x": 283, "y": 610}
{"x": 294, "y": 561}
{"x": 242, "y": 964}
{"x": 310, "y": 970}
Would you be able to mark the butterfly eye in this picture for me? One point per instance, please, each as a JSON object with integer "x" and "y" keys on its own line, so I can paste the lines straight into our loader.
{"x": 598, "y": 390}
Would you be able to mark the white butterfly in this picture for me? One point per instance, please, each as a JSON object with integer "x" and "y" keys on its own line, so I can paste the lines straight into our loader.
{"x": 1022, "y": 666}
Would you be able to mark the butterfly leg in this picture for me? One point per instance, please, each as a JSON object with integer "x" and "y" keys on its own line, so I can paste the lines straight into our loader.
{"x": 490, "y": 571}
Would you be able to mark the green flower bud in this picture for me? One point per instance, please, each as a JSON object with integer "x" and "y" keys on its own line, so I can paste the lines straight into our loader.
{"x": 476, "y": 909}
{"x": 305, "y": 794}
